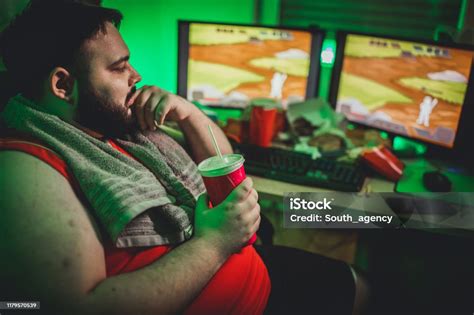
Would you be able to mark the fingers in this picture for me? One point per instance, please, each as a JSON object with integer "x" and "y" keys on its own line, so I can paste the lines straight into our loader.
{"x": 256, "y": 225}
{"x": 241, "y": 192}
{"x": 251, "y": 201}
{"x": 153, "y": 105}
{"x": 252, "y": 216}
{"x": 162, "y": 109}
{"x": 148, "y": 111}
{"x": 150, "y": 103}
{"x": 252, "y": 228}
{"x": 202, "y": 202}
{"x": 139, "y": 105}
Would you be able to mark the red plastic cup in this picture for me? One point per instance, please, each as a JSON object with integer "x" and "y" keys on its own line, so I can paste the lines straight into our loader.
{"x": 221, "y": 176}
{"x": 262, "y": 125}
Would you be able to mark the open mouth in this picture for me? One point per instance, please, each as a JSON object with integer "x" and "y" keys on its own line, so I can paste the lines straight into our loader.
{"x": 130, "y": 99}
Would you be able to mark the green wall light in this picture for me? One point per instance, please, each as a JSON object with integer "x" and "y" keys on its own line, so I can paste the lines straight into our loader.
{"x": 328, "y": 53}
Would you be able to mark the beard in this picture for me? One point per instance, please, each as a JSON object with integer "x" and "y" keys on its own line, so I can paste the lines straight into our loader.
{"x": 100, "y": 114}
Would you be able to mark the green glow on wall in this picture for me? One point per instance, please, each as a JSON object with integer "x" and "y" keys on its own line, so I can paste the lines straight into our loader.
{"x": 270, "y": 12}
{"x": 150, "y": 29}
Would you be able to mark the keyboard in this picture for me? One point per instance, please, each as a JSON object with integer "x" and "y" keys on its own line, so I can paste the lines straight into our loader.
{"x": 300, "y": 168}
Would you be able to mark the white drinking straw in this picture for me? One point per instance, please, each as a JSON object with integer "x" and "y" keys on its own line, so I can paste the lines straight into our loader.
{"x": 216, "y": 147}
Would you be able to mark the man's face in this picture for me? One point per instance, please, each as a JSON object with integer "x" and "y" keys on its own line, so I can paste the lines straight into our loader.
{"x": 106, "y": 83}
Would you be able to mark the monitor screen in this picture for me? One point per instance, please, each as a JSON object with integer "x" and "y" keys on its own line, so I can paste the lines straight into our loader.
{"x": 229, "y": 65}
{"x": 405, "y": 87}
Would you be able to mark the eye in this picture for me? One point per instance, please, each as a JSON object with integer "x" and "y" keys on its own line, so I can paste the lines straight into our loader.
{"x": 120, "y": 69}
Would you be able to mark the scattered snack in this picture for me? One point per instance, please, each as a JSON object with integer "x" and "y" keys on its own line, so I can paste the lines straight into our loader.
{"x": 327, "y": 143}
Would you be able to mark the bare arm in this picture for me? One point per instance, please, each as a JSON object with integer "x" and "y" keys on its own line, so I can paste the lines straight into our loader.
{"x": 54, "y": 253}
{"x": 165, "y": 287}
{"x": 197, "y": 135}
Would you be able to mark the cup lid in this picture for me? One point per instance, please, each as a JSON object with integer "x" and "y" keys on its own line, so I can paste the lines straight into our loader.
{"x": 215, "y": 166}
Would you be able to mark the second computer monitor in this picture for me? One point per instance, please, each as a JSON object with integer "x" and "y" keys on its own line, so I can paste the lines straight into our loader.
{"x": 229, "y": 65}
{"x": 407, "y": 87}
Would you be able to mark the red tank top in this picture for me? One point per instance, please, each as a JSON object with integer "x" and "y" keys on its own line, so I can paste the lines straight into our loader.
{"x": 240, "y": 286}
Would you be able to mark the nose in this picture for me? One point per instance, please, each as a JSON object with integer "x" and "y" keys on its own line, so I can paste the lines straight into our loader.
{"x": 135, "y": 77}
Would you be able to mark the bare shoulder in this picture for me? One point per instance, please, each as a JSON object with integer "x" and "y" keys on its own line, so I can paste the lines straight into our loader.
{"x": 50, "y": 241}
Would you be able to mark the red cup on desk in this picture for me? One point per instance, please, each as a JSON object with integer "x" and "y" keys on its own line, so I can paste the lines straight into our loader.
{"x": 221, "y": 176}
{"x": 262, "y": 125}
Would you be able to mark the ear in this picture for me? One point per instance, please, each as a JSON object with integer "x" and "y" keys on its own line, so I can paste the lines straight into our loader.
{"x": 61, "y": 84}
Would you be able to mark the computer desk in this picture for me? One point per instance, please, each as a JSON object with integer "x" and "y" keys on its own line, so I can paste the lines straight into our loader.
{"x": 274, "y": 191}
{"x": 271, "y": 194}
{"x": 340, "y": 244}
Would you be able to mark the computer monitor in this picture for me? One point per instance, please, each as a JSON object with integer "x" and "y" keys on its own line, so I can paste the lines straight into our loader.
{"x": 412, "y": 88}
{"x": 227, "y": 65}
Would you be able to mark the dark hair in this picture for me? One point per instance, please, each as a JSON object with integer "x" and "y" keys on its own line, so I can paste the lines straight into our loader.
{"x": 47, "y": 34}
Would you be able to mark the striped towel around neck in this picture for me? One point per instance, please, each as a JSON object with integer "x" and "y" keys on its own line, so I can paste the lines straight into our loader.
{"x": 144, "y": 201}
